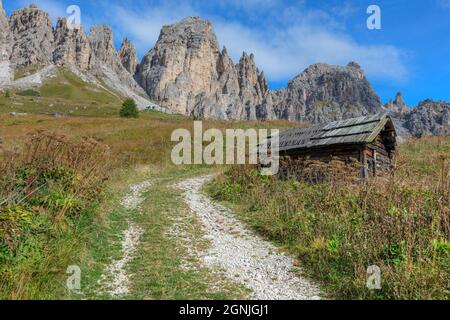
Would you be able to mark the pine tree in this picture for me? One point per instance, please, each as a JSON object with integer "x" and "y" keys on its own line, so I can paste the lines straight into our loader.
{"x": 129, "y": 109}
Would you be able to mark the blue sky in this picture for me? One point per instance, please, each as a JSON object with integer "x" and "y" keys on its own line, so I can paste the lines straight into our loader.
{"x": 411, "y": 52}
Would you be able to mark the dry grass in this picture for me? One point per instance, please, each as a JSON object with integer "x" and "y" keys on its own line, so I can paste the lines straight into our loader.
{"x": 131, "y": 141}
{"x": 52, "y": 179}
{"x": 339, "y": 228}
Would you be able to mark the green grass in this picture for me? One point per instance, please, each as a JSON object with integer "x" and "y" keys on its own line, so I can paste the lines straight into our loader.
{"x": 67, "y": 94}
{"x": 68, "y": 86}
{"x": 29, "y": 93}
{"x": 47, "y": 198}
{"x": 22, "y": 72}
{"x": 424, "y": 154}
{"x": 40, "y": 264}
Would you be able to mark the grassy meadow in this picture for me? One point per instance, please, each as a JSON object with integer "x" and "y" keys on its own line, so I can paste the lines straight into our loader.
{"x": 62, "y": 179}
{"x": 61, "y": 182}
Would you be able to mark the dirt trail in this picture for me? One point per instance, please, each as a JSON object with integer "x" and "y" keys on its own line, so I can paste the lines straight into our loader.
{"x": 243, "y": 256}
{"x": 116, "y": 279}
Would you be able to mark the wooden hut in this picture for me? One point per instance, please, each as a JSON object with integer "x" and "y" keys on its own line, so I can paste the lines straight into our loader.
{"x": 371, "y": 140}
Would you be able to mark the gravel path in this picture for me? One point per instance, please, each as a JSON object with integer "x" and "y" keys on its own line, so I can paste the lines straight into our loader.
{"x": 135, "y": 197}
{"x": 116, "y": 278}
{"x": 243, "y": 256}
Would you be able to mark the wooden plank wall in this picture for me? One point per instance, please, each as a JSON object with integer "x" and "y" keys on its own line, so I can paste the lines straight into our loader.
{"x": 380, "y": 156}
{"x": 375, "y": 158}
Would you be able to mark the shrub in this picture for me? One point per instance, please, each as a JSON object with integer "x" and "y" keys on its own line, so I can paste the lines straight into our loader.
{"x": 7, "y": 94}
{"x": 52, "y": 174}
{"x": 47, "y": 186}
{"x": 129, "y": 109}
{"x": 29, "y": 93}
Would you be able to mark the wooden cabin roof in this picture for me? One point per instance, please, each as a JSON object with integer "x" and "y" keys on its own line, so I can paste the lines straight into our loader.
{"x": 362, "y": 130}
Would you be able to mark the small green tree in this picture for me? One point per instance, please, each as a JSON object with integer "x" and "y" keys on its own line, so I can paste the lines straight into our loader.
{"x": 7, "y": 94}
{"x": 129, "y": 109}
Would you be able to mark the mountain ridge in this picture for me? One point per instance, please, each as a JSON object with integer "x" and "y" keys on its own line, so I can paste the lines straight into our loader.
{"x": 188, "y": 73}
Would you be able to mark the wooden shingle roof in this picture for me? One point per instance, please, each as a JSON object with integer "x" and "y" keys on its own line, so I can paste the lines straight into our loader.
{"x": 360, "y": 130}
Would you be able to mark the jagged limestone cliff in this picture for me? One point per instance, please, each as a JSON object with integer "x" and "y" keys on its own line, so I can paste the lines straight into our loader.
{"x": 188, "y": 73}
{"x": 71, "y": 46}
{"x": 128, "y": 57}
{"x": 33, "y": 40}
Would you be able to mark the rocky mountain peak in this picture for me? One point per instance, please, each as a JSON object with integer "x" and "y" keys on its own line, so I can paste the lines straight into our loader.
{"x": 104, "y": 60}
{"x": 32, "y": 34}
{"x": 187, "y": 72}
{"x": 224, "y": 51}
{"x": 251, "y": 80}
{"x": 71, "y": 46}
{"x": 396, "y": 106}
{"x": 182, "y": 65}
{"x": 224, "y": 63}
{"x": 324, "y": 92}
{"x": 192, "y": 31}
{"x": 101, "y": 40}
{"x": 399, "y": 102}
{"x": 3, "y": 15}
{"x": 358, "y": 70}
{"x": 128, "y": 56}
{"x": 429, "y": 118}
{"x": 353, "y": 64}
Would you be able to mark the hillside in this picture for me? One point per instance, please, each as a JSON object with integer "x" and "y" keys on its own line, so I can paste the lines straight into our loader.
{"x": 64, "y": 93}
{"x": 33, "y": 48}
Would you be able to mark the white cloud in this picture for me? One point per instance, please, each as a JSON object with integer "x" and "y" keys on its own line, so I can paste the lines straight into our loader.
{"x": 298, "y": 37}
{"x": 287, "y": 52}
{"x": 444, "y": 3}
{"x": 143, "y": 25}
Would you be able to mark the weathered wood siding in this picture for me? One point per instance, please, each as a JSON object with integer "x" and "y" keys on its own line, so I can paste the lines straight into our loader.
{"x": 380, "y": 156}
{"x": 327, "y": 153}
{"x": 375, "y": 158}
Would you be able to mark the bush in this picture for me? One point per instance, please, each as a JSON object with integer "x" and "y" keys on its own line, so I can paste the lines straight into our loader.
{"x": 7, "y": 94}
{"x": 129, "y": 109}
{"x": 29, "y": 93}
{"x": 49, "y": 185}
